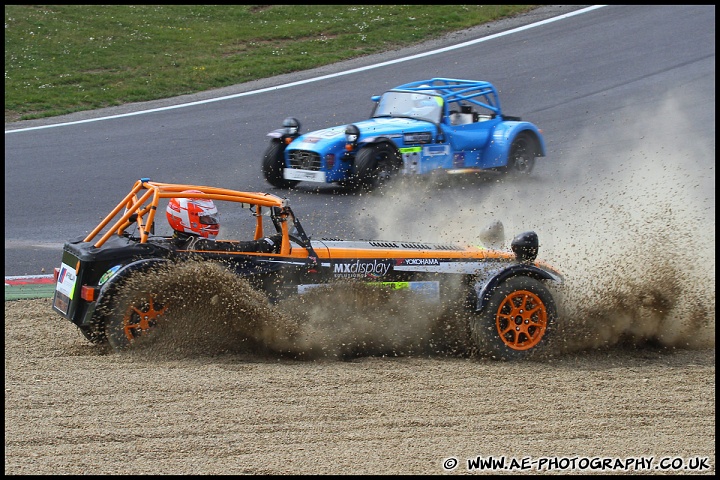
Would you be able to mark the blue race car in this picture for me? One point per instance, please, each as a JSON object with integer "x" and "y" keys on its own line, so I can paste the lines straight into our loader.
{"x": 437, "y": 125}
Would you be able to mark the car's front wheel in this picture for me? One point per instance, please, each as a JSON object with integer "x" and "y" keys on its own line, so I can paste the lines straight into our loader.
{"x": 516, "y": 321}
{"x": 273, "y": 165}
{"x": 135, "y": 314}
{"x": 521, "y": 159}
{"x": 376, "y": 164}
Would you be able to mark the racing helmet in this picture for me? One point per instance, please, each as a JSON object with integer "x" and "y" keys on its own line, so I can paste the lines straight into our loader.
{"x": 195, "y": 216}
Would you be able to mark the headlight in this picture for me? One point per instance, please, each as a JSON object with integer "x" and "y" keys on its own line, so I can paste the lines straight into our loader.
{"x": 352, "y": 133}
{"x": 525, "y": 246}
{"x": 291, "y": 126}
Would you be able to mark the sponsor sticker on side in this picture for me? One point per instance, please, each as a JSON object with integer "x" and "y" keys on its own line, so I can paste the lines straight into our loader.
{"x": 106, "y": 276}
{"x": 64, "y": 288}
{"x": 66, "y": 280}
{"x": 428, "y": 290}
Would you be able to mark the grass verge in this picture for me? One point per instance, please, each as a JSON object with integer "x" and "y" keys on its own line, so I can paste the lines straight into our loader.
{"x": 61, "y": 59}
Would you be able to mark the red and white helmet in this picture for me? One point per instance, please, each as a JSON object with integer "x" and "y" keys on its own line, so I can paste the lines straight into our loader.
{"x": 196, "y": 216}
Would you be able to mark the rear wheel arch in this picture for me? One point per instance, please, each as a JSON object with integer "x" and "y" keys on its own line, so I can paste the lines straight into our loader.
{"x": 112, "y": 293}
{"x": 537, "y": 144}
{"x": 135, "y": 313}
{"x": 524, "y": 148}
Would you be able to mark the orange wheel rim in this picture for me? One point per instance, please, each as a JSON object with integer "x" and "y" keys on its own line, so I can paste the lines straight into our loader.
{"x": 521, "y": 320}
{"x": 140, "y": 318}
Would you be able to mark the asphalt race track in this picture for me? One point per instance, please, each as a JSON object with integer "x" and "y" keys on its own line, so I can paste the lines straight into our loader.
{"x": 590, "y": 81}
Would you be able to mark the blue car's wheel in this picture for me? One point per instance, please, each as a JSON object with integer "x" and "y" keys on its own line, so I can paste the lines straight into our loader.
{"x": 273, "y": 164}
{"x": 376, "y": 164}
{"x": 521, "y": 159}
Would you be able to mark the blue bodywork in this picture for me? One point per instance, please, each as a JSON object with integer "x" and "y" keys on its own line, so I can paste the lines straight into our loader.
{"x": 440, "y": 124}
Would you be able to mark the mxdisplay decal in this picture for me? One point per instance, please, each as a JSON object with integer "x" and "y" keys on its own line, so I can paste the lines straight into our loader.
{"x": 362, "y": 268}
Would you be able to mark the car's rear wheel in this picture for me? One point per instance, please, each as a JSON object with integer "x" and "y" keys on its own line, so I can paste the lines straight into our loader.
{"x": 273, "y": 165}
{"x": 134, "y": 315}
{"x": 521, "y": 159}
{"x": 376, "y": 164}
{"x": 516, "y": 321}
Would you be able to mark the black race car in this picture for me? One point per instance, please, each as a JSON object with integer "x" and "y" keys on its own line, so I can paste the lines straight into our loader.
{"x": 507, "y": 295}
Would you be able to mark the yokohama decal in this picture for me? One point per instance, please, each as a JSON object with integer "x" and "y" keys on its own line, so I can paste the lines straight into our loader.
{"x": 418, "y": 261}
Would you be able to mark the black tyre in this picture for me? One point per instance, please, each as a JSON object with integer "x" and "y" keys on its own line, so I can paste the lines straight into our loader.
{"x": 273, "y": 164}
{"x": 376, "y": 164}
{"x": 521, "y": 159}
{"x": 517, "y": 321}
{"x": 135, "y": 314}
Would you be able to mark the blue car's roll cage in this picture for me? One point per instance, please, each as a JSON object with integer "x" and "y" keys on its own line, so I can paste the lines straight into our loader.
{"x": 452, "y": 90}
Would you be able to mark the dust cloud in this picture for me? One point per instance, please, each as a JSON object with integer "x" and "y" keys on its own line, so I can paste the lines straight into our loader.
{"x": 213, "y": 311}
{"x": 629, "y": 219}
